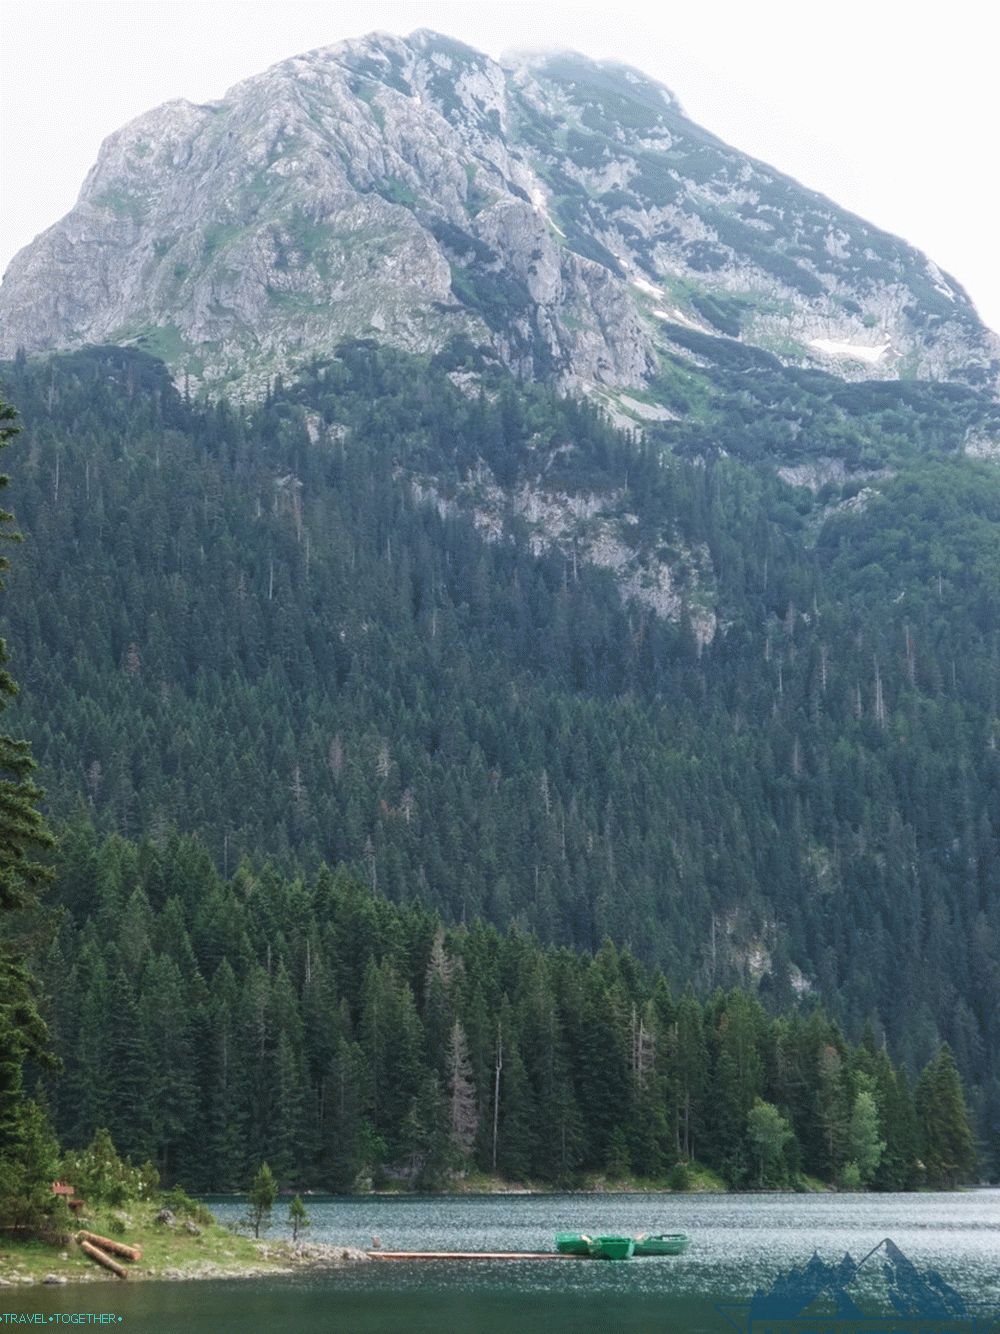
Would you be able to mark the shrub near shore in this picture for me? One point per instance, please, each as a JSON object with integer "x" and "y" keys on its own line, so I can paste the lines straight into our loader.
{"x": 178, "y": 1236}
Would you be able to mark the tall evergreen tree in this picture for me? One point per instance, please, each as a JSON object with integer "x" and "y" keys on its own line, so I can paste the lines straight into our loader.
{"x": 463, "y": 1112}
{"x": 897, "y": 1168}
{"x": 946, "y": 1139}
{"x": 690, "y": 1074}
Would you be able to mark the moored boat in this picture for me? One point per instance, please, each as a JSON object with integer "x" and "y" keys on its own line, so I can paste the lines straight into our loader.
{"x": 573, "y": 1243}
{"x": 661, "y": 1243}
{"x": 612, "y": 1248}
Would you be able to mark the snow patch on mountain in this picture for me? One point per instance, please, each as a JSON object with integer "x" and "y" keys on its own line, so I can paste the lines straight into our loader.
{"x": 853, "y": 351}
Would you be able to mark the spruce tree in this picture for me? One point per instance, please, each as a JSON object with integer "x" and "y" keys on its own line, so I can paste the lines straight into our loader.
{"x": 260, "y": 1200}
{"x": 689, "y": 1074}
{"x": 463, "y": 1111}
{"x": 298, "y": 1217}
{"x": 27, "y": 1169}
{"x": 898, "y": 1166}
{"x": 348, "y": 1142}
{"x": 946, "y": 1138}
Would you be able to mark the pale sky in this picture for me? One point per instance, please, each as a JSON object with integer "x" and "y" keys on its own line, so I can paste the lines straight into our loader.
{"x": 890, "y": 108}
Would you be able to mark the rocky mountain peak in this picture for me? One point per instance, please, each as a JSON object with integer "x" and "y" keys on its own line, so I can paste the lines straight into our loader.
{"x": 559, "y": 212}
{"x": 577, "y": 75}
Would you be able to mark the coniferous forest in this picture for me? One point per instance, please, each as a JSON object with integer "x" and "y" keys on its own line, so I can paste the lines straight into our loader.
{"x": 606, "y": 895}
{"x": 211, "y": 1025}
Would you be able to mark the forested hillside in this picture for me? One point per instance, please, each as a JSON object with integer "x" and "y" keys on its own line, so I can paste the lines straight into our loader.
{"x": 341, "y": 1038}
{"x": 299, "y": 630}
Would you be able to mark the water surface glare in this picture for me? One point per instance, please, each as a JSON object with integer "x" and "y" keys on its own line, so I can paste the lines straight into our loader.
{"x": 738, "y": 1243}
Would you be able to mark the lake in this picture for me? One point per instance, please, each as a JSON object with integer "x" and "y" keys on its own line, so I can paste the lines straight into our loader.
{"x": 738, "y": 1243}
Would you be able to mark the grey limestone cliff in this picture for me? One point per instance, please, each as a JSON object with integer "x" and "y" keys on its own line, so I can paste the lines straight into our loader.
{"x": 558, "y": 211}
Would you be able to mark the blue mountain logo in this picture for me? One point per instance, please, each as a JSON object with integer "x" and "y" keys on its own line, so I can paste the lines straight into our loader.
{"x": 882, "y": 1293}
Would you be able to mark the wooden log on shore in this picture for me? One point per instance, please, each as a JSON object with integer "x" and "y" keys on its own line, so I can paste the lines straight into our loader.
{"x": 102, "y": 1258}
{"x": 106, "y": 1244}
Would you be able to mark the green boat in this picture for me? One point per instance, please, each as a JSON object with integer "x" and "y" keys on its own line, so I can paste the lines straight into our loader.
{"x": 661, "y": 1243}
{"x": 573, "y": 1243}
{"x": 612, "y": 1248}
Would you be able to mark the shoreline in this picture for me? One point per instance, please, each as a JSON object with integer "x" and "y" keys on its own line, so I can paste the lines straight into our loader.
{"x": 703, "y": 1182}
{"x": 216, "y": 1252}
{"x": 273, "y": 1260}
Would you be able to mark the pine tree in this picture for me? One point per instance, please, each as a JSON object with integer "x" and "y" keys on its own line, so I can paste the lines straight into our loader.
{"x": 832, "y": 1110}
{"x": 463, "y": 1111}
{"x": 130, "y": 1109}
{"x": 298, "y": 1217}
{"x": 168, "y": 1016}
{"x": 689, "y": 1074}
{"x": 738, "y": 1080}
{"x": 516, "y": 1140}
{"x": 779, "y": 796}
{"x": 260, "y": 1200}
{"x": 349, "y": 1145}
{"x": 897, "y": 1169}
{"x": 424, "y": 1137}
{"x": 27, "y": 1169}
{"x": 219, "y": 1162}
{"x": 946, "y": 1138}
{"x": 391, "y": 1039}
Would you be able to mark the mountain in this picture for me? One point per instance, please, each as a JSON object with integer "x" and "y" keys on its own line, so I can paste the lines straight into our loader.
{"x": 563, "y": 213}
{"x": 330, "y": 562}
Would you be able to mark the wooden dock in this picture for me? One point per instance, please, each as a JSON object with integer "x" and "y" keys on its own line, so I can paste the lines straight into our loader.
{"x": 468, "y": 1255}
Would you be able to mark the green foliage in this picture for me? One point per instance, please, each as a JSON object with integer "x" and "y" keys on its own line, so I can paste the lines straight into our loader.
{"x": 298, "y": 1217}
{"x": 759, "y": 411}
{"x": 28, "y": 1167}
{"x": 358, "y": 1041}
{"x": 397, "y": 192}
{"x": 100, "y": 1176}
{"x": 751, "y": 245}
{"x": 948, "y": 1150}
{"x": 655, "y": 181}
{"x": 725, "y": 313}
{"x": 180, "y": 1203}
{"x": 769, "y": 1134}
{"x": 260, "y": 1200}
{"x": 22, "y": 831}
{"x": 850, "y": 1177}
{"x": 618, "y": 1162}
{"x": 679, "y": 1177}
{"x": 497, "y": 297}
{"x": 864, "y": 1144}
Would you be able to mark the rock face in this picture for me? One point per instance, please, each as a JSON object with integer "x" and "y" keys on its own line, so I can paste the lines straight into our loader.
{"x": 591, "y": 528}
{"x": 556, "y": 210}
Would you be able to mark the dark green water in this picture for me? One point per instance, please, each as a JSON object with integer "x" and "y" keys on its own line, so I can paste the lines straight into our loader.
{"x": 738, "y": 1244}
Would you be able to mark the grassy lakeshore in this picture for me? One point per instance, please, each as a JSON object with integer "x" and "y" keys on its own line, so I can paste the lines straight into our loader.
{"x": 167, "y": 1252}
{"x": 214, "y": 1251}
